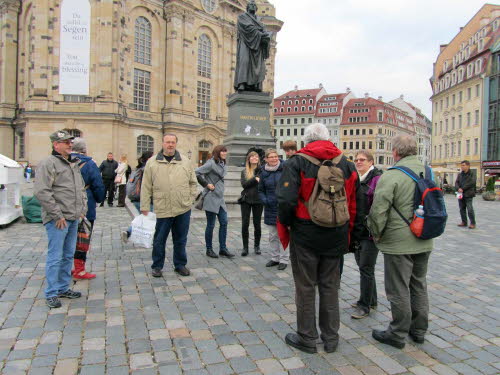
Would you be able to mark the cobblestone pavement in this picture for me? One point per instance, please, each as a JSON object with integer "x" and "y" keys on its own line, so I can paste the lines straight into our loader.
{"x": 230, "y": 316}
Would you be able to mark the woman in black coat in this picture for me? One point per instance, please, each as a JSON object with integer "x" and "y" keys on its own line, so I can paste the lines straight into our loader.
{"x": 250, "y": 202}
{"x": 269, "y": 179}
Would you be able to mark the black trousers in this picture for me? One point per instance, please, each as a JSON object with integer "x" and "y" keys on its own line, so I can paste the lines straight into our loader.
{"x": 366, "y": 258}
{"x": 109, "y": 185}
{"x": 121, "y": 195}
{"x": 256, "y": 210}
{"x": 465, "y": 205}
{"x": 311, "y": 270}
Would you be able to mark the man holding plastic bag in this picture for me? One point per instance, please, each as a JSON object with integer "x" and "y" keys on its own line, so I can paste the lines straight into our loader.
{"x": 169, "y": 180}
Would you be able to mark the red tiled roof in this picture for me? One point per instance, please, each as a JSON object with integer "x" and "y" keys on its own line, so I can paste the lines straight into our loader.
{"x": 301, "y": 93}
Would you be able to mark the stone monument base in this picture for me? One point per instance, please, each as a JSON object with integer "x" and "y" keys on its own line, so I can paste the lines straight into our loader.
{"x": 249, "y": 125}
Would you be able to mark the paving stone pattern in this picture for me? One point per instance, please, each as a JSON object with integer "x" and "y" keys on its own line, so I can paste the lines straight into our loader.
{"x": 230, "y": 316}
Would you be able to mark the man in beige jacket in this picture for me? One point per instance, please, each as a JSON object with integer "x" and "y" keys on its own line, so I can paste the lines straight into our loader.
{"x": 170, "y": 183}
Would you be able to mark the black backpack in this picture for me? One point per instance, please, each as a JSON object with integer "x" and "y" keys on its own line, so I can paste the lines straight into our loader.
{"x": 433, "y": 222}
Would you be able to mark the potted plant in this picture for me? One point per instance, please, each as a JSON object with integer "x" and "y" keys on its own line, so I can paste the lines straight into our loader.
{"x": 489, "y": 194}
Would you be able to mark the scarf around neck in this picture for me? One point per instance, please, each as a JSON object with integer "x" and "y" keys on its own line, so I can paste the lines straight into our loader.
{"x": 363, "y": 177}
{"x": 268, "y": 168}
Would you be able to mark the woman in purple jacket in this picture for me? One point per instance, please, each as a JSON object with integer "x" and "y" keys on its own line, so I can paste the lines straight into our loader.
{"x": 365, "y": 250}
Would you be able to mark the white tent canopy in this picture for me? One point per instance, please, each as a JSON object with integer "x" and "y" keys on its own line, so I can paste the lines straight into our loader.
{"x": 11, "y": 177}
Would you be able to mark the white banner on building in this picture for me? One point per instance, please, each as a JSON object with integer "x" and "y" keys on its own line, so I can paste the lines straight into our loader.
{"x": 74, "y": 53}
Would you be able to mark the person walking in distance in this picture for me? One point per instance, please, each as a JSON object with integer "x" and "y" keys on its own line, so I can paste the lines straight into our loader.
{"x": 121, "y": 179}
{"x": 316, "y": 250}
{"x": 405, "y": 256}
{"x": 250, "y": 202}
{"x": 169, "y": 181}
{"x": 60, "y": 189}
{"x": 211, "y": 176}
{"x": 96, "y": 193}
{"x": 107, "y": 169}
{"x": 365, "y": 250}
{"x": 268, "y": 183}
{"x": 465, "y": 185}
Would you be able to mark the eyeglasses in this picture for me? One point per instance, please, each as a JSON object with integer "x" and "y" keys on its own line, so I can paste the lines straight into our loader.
{"x": 68, "y": 142}
{"x": 360, "y": 160}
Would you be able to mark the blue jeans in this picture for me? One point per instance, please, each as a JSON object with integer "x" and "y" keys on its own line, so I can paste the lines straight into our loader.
{"x": 62, "y": 244}
{"x": 180, "y": 228}
{"x": 209, "y": 230}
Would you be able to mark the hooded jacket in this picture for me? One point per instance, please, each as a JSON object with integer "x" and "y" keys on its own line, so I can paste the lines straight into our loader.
{"x": 295, "y": 188}
{"x": 96, "y": 191}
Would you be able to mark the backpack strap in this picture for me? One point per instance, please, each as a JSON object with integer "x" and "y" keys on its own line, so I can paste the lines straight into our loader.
{"x": 408, "y": 172}
{"x": 337, "y": 159}
{"x": 315, "y": 161}
{"x": 415, "y": 178}
{"x": 311, "y": 159}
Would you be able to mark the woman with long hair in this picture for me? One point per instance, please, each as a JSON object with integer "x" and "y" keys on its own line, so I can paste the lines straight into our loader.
{"x": 250, "y": 201}
{"x": 211, "y": 176}
{"x": 269, "y": 179}
{"x": 121, "y": 179}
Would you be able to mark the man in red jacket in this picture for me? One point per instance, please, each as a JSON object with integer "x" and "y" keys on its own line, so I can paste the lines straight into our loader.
{"x": 315, "y": 251}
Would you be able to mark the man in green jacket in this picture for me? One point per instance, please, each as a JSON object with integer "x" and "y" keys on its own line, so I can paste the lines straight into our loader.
{"x": 405, "y": 256}
{"x": 169, "y": 181}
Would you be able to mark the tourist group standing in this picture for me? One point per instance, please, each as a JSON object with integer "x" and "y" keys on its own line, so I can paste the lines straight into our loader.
{"x": 317, "y": 205}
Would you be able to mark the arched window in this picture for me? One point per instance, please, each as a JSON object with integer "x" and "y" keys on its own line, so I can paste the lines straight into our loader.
{"x": 142, "y": 41}
{"x": 145, "y": 143}
{"x": 74, "y": 132}
{"x": 204, "y": 56}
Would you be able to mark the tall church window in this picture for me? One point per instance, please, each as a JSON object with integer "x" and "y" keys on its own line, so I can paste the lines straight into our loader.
{"x": 142, "y": 90}
{"x": 204, "y": 56}
{"x": 142, "y": 52}
{"x": 145, "y": 143}
{"x": 203, "y": 100}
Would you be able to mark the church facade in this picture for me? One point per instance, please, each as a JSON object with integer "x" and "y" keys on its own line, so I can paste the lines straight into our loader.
{"x": 152, "y": 67}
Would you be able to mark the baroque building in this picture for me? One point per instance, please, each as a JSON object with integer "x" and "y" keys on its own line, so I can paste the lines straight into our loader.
{"x": 154, "y": 67}
{"x": 460, "y": 95}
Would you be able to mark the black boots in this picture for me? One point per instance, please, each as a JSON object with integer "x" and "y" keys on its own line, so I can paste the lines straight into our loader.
{"x": 211, "y": 254}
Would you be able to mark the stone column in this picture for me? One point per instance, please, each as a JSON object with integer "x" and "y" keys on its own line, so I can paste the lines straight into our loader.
{"x": 9, "y": 10}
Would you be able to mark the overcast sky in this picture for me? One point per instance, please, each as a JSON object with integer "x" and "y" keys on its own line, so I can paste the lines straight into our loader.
{"x": 383, "y": 47}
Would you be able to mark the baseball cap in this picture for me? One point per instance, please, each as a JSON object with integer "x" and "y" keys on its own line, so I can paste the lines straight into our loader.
{"x": 60, "y": 135}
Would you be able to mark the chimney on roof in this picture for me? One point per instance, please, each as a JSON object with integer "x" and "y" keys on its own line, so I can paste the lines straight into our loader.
{"x": 320, "y": 85}
{"x": 296, "y": 87}
{"x": 380, "y": 98}
{"x": 402, "y": 97}
{"x": 366, "y": 95}
{"x": 348, "y": 90}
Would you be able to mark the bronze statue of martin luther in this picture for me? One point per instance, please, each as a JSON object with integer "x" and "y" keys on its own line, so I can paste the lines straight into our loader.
{"x": 253, "y": 50}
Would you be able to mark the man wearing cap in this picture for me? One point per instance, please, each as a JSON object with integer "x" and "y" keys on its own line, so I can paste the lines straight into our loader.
{"x": 61, "y": 191}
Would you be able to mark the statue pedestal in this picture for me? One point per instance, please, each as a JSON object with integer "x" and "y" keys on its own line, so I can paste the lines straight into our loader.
{"x": 249, "y": 125}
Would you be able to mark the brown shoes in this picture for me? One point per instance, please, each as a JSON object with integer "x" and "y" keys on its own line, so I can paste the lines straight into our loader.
{"x": 472, "y": 226}
{"x": 461, "y": 225}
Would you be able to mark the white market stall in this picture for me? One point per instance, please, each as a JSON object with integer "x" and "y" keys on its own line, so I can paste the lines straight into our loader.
{"x": 11, "y": 178}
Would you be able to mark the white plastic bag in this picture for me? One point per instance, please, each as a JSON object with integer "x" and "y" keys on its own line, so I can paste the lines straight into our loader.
{"x": 143, "y": 230}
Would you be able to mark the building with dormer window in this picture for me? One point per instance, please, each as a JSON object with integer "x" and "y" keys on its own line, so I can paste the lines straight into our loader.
{"x": 460, "y": 91}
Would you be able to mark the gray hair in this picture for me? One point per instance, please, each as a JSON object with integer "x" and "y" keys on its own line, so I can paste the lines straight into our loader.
{"x": 316, "y": 132}
{"x": 79, "y": 146}
{"x": 404, "y": 145}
